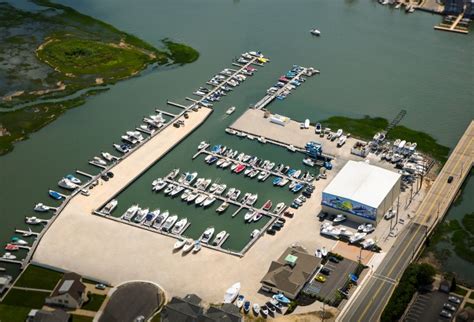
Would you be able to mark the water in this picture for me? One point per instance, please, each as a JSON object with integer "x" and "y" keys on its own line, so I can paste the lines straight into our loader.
{"x": 373, "y": 60}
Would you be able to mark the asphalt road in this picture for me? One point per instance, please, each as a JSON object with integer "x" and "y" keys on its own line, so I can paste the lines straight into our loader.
{"x": 376, "y": 291}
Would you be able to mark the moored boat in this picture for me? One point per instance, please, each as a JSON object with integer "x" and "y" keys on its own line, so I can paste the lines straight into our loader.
{"x": 219, "y": 237}
{"x": 55, "y": 195}
{"x": 39, "y": 207}
{"x": 179, "y": 226}
{"x": 169, "y": 222}
{"x": 207, "y": 235}
{"x": 232, "y": 293}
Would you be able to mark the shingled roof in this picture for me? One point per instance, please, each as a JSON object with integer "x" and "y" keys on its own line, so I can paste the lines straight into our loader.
{"x": 71, "y": 284}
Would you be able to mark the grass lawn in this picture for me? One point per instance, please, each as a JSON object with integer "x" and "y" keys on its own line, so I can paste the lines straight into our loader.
{"x": 460, "y": 291}
{"x": 38, "y": 277}
{"x": 12, "y": 313}
{"x": 80, "y": 318}
{"x": 94, "y": 303}
{"x": 29, "y": 299}
{"x": 471, "y": 296}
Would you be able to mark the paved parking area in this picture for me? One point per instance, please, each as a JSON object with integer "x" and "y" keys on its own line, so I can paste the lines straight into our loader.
{"x": 427, "y": 306}
{"x": 337, "y": 278}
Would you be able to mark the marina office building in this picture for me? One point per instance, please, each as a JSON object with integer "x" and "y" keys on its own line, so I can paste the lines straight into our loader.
{"x": 362, "y": 192}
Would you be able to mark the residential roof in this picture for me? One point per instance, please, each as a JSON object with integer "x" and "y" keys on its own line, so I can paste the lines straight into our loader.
{"x": 364, "y": 183}
{"x": 70, "y": 284}
{"x": 291, "y": 278}
{"x": 225, "y": 313}
{"x": 182, "y": 310}
{"x": 48, "y": 316}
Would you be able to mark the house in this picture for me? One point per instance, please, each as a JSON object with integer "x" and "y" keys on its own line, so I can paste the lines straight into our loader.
{"x": 48, "y": 316}
{"x": 290, "y": 273}
{"x": 190, "y": 309}
{"x": 69, "y": 293}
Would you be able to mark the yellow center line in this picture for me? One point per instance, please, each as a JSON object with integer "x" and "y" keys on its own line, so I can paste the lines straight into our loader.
{"x": 419, "y": 227}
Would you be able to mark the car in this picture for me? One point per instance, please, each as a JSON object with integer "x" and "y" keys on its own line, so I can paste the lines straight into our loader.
{"x": 450, "y": 179}
{"x": 334, "y": 259}
{"x": 445, "y": 314}
{"x": 110, "y": 174}
{"x": 100, "y": 286}
{"x": 449, "y": 307}
{"x": 325, "y": 271}
{"x": 320, "y": 278}
{"x": 454, "y": 299}
{"x": 104, "y": 177}
{"x": 343, "y": 292}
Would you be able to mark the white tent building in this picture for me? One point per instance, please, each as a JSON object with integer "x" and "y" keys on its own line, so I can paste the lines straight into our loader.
{"x": 362, "y": 192}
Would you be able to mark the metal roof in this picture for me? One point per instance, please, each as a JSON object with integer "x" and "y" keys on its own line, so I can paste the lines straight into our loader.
{"x": 364, "y": 183}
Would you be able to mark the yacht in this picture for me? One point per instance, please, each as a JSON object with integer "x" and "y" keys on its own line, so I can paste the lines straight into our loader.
{"x": 357, "y": 237}
{"x": 122, "y": 148}
{"x": 291, "y": 148}
{"x": 230, "y": 110}
{"x": 32, "y": 220}
{"x": 110, "y": 206}
{"x": 169, "y": 188}
{"x": 200, "y": 199}
{"x": 190, "y": 177}
{"x": 130, "y": 212}
{"x": 107, "y": 156}
{"x": 207, "y": 235}
{"x": 159, "y": 184}
{"x": 177, "y": 190}
{"x": 223, "y": 207}
{"x": 249, "y": 215}
{"x": 73, "y": 179}
{"x": 188, "y": 245}
{"x": 209, "y": 201}
{"x": 315, "y": 32}
{"x": 67, "y": 184}
{"x": 141, "y": 214}
{"x": 160, "y": 219}
{"x": 252, "y": 199}
{"x": 39, "y": 207}
{"x": 151, "y": 217}
{"x": 219, "y": 238}
{"x": 230, "y": 131}
{"x": 220, "y": 189}
{"x": 192, "y": 196}
{"x": 185, "y": 194}
{"x": 179, "y": 226}
{"x": 169, "y": 222}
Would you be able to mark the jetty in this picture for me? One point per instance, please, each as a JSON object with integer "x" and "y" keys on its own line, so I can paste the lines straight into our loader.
{"x": 454, "y": 24}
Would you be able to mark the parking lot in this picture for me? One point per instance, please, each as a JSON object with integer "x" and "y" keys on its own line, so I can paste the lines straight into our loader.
{"x": 427, "y": 307}
{"x": 337, "y": 278}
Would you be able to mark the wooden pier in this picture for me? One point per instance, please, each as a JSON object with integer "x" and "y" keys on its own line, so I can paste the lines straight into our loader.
{"x": 26, "y": 232}
{"x": 453, "y": 27}
{"x": 85, "y": 174}
{"x": 166, "y": 113}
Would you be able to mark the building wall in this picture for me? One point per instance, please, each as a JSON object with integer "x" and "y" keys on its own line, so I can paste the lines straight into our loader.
{"x": 64, "y": 300}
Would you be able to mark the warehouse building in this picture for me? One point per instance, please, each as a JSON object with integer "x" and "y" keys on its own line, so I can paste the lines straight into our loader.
{"x": 362, "y": 192}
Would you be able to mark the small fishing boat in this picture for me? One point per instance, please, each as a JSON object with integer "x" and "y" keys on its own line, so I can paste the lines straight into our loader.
{"x": 223, "y": 207}
{"x": 55, "y": 195}
{"x": 179, "y": 244}
{"x": 151, "y": 217}
{"x": 315, "y": 32}
{"x": 256, "y": 309}
{"x": 207, "y": 235}
{"x": 308, "y": 162}
{"x": 197, "y": 246}
{"x": 219, "y": 237}
{"x": 39, "y": 207}
{"x": 110, "y": 206}
{"x": 279, "y": 208}
{"x": 188, "y": 245}
{"x": 232, "y": 293}
{"x": 249, "y": 215}
{"x": 159, "y": 185}
{"x": 240, "y": 301}
{"x": 18, "y": 241}
{"x": 169, "y": 222}
{"x": 8, "y": 255}
{"x": 179, "y": 226}
{"x": 73, "y": 179}
{"x": 130, "y": 212}
{"x": 141, "y": 214}
{"x": 33, "y": 220}
{"x": 200, "y": 199}
{"x": 67, "y": 184}
{"x": 173, "y": 174}
{"x": 257, "y": 217}
{"x": 208, "y": 201}
{"x": 230, "y": 110}
{"x": 122, "y": 148}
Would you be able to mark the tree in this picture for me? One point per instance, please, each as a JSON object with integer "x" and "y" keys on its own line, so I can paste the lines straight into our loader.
{"x": 425, "y": 274}
{"x": 453, "y": 284}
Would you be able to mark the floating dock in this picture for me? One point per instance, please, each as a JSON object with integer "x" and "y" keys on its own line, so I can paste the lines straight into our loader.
{"x": 453, "y": 25}
{"x": 165, "y": 113}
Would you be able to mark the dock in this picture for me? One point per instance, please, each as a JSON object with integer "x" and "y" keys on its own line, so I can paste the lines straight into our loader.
{"x": 85, "y": 174}
{"x": 267, "y": 99}
{"x": 11, "y": 261}
{"x": 26, "y": 232}
{"x": 453, "y": 26}
{"x": 177, "y": 105}
{"x": 165, "y": 113}
{"x": 98, "y": 165}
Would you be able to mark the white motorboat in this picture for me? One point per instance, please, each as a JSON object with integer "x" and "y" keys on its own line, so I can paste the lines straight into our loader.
{"x": 207, "y": 234}
{"x": 249, "y": 215}
{"x": 177, "y": 190}
{"x": 257, "y": 217}
{"x": 67, "y": 184}
{"x": 151, "y": 217}
{"x": 252, "y": 199}
{"x": 235, "y": 195}
{"x": 169, "y": 188}
{"x": 203, "y": 145}
{"x": 107, "y": 156}
{"x": 200, "y": 199}
{"x": 223, "y": 207}
{"x": 179, "y": 244}
{"x": 141, "y": 214}
{"x": 308, "y": 162}
{"x": 318, "y": 253}
{"x": 159, "y": 185}
{"x": 39, "y": 207}
{"x": 99, "y": 161}
{"x": 8, "y": 256}
{"x": 342, "y": 141}
{"x": 188, "y": 245}
{"x": 256, "y": 309}
{"x": 208, "y": 201}
{"x": 169, "y": 222}
{"x": 32, "y": 220}
{"x": 279, "y": 208}
{"x": 110, "y": 206}
{"x": 230, "y": 131}
{"x": 367, "y": 243}
{"x": 261, "y": 139}
{"x": 179, "y": 226}
{"x": 192, "y": 196}
{"x": 240, "y": 301}
{"x": 338, "y": 133}
{"x": 173, "y": 174}
{"x": 220, "y": 189}
{"x": 306, "y": 124}
{"x": 73, "y": 179}
{"x": 357, "y": 237}
{"x": 232, "y": 293}
{"x": 315, "y": 32}
{"x": 254, "y": 233}
{"x": 219, "y": 237}
{"x": 130, "y": 212}
{"x": 185, "y": 194}
{"x": 339, "y": 218}
{"x": 368, "y": 228}
{"x": 160, "y": 219}
{"x": 230, "y": 110}
{"x": 197, "y": 246}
